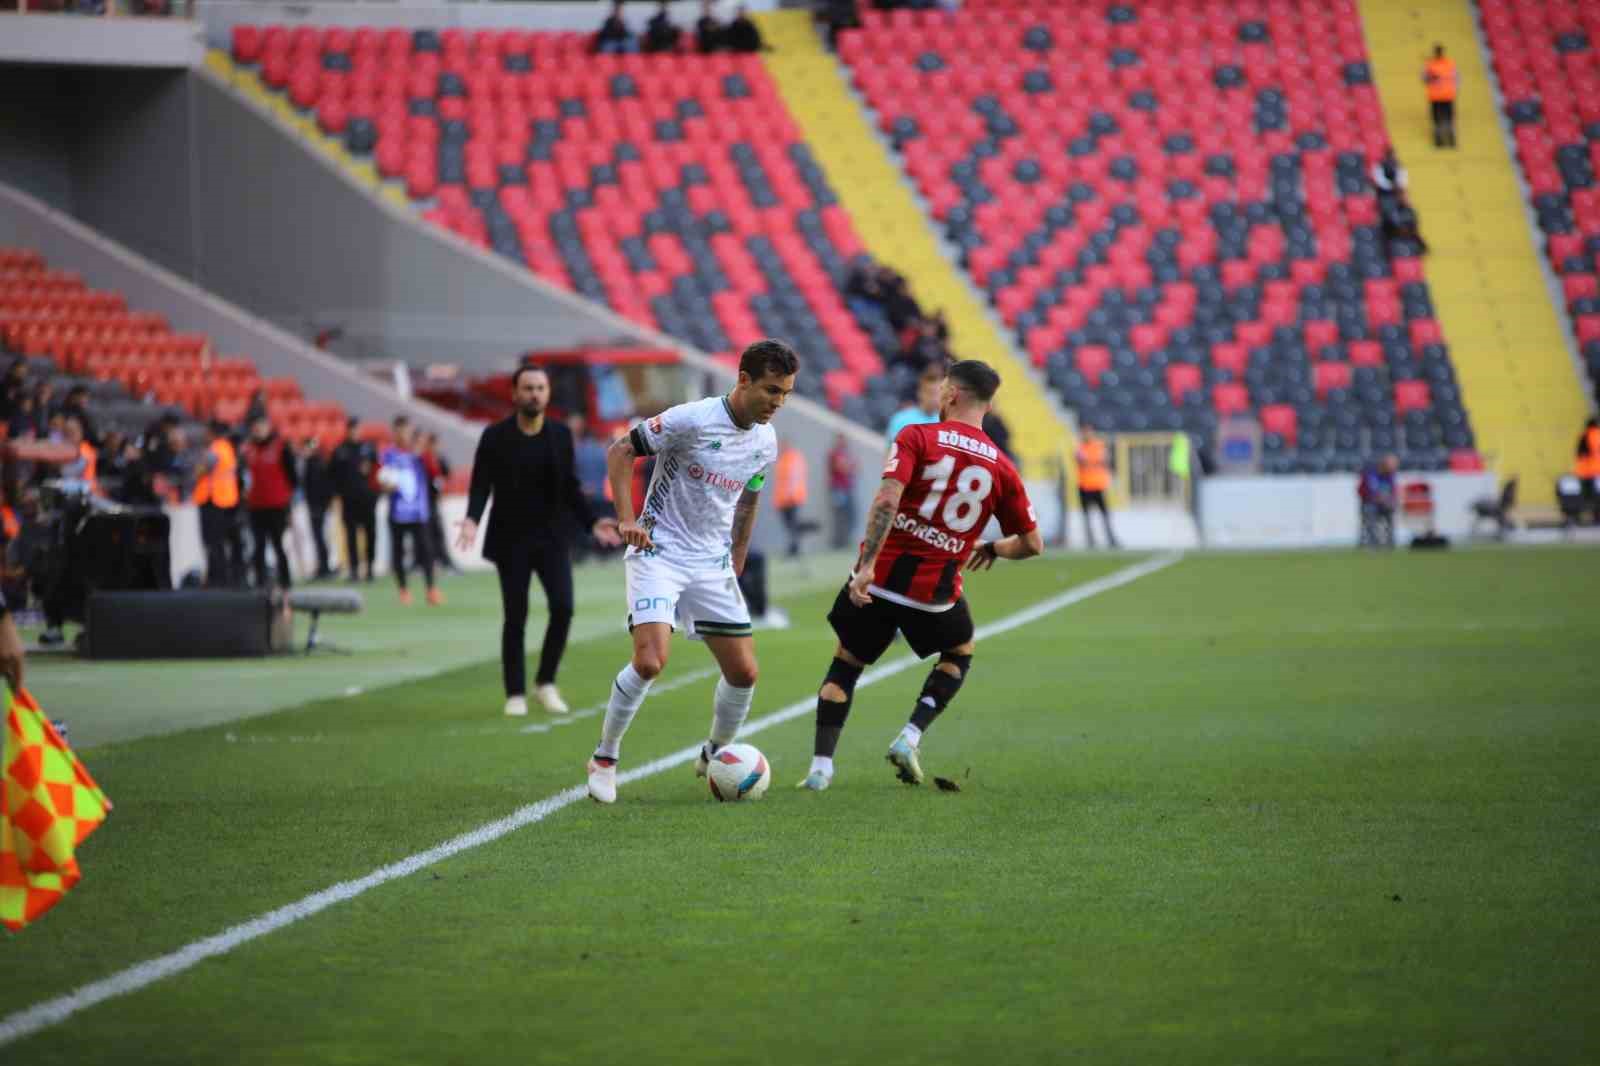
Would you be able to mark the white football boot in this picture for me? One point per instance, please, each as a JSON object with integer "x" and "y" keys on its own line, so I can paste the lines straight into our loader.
{"x": 517, "y": 706}
{"x": 602, "y": 782}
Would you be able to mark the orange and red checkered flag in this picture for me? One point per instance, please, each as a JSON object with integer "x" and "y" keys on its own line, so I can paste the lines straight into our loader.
{"x": 48, "y": 804}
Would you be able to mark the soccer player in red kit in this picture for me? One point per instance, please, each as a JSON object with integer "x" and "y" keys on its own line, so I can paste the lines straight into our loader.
{"x": 940, "y": 486}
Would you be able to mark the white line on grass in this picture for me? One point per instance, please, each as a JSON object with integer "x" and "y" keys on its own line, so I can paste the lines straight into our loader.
{"x": 43, "y": 1015}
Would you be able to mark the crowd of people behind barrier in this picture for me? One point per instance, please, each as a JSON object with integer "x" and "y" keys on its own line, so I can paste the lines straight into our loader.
{"x": 243, "y": 477}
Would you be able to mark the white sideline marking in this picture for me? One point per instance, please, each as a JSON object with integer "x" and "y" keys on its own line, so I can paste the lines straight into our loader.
{"x": 40, "y": 1016}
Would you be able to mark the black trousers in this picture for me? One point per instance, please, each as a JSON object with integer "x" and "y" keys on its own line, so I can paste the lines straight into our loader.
{"x": 436, "y": 535}
{"x": 360, "y": 516}
{"x": 417, "y": 533}
{"x": 223, "y": 538}
{"x": 1444, "y": 123}
{"x": 319, "y": 536}
{"x": 269, "y": 523}
{"x": 1090, "y": 498}
{"x": 517, "y": 566}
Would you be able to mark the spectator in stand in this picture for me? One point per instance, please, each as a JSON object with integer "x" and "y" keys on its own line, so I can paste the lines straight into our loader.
{"x": 1439, "y": 75}
{"x": 742, "y": 35}
{"x": 257, "y": 408}
{"x": 216, "y": 495}
{"x": 925, "y": 409}
{"x": 353, "y": 467}
{"x": 998, "y": 431}
{"x": 406, "y": 480}
{"x": 316, "y": 481}
{"x": 1376, "y": 493}
{"x": 77, "y": 402}
{"x": 24, "y": 420}
{"x": 898, "y": 303}
{"x": 273, "y": 479}
{"x": 12, "y": 388}
{"x": 437, "y": 468}
{"x": 920, "y": 346}
{"x": 660, "y": 35}
{"x": 138, "y": 488}
{"x": 708, "y": 32}
{"x": 1397, "y": 219}
{"x": 838, "y": 15}
{"x": 841, "y": 491}
{"x": 161, "y": 446}
{"x": 86, "y": 467}
{"x": 614, "y": 37}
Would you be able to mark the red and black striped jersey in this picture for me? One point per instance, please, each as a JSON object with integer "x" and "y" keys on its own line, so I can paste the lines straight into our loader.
{"x": 955, "y": 479}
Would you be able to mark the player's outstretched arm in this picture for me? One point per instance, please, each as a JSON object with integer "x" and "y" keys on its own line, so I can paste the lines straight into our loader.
{"x": 619, "y": 469}
{"x": 744, "y": 526}
{"x": 880, "y": 520}
{"x": 1015, "y": 547}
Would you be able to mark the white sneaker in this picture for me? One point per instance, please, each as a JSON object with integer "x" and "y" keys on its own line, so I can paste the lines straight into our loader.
{"x": 517, "y": 706}
{"x": 602, "y": 782}
{"x": 549, "y": 698}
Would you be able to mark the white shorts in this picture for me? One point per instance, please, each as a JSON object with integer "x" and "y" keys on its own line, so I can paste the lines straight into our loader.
{"x": 703, "y": 602}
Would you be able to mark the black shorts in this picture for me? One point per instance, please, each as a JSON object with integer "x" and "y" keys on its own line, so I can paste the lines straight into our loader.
{"x": 866, "y": 632}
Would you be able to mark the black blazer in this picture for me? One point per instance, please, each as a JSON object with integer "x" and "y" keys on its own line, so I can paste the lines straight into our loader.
{"x": 532, "y": 504}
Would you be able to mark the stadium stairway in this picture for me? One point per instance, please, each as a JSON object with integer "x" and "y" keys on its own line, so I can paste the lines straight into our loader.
{"x": 1518, "y": 379}
{"x": 895, "y": 229}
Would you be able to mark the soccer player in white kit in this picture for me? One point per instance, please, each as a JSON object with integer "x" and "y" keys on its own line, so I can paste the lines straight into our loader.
{"x": 687, "y": 547}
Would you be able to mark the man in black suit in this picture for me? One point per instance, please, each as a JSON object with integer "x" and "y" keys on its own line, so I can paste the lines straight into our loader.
{"x": 526, "y": 463}
{"x": 354, "y": 464}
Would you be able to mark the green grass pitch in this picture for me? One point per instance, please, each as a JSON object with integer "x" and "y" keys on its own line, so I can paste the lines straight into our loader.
{"x": 1249, "y": 808}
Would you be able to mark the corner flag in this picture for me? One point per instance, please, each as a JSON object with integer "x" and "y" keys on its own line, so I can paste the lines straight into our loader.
{"x": 48, "y": 805}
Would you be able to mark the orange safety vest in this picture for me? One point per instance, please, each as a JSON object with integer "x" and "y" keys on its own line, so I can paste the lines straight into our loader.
{"x": 1093, "y": 473}
{"x": 1588, "y": 466}
{"x": 86, "y": 455}
{"x": 790, "y": 490}
{"x": 1440, "y": 77}
{"x": 219, "y": 485}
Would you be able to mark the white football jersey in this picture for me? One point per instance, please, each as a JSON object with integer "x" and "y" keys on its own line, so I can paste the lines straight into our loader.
{"x": 704, "y": 461}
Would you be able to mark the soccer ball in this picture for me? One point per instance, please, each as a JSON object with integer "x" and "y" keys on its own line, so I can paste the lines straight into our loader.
{"x": 388, "y": 478}
{"x": 738, "y": 772}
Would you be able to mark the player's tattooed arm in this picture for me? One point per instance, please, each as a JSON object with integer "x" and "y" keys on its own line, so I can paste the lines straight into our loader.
{"x": 880, "y": 519}
{"x": 744, "y": 525}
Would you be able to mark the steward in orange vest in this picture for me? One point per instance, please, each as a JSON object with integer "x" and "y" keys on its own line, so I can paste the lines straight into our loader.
{"x": 216, "y": 493}
{"x": 1587, "y": 463}
{"x": 1094, "y": 478}
{"x": 1439, "y": 75}
{"x": 789, "y": 495}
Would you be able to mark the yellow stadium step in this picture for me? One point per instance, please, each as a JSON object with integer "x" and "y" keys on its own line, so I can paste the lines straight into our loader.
{"x": 894, "y": 227}
{"x": 1519, "y": 382}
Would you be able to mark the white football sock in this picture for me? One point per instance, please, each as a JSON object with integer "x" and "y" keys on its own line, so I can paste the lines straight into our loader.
{"x": 912, "y": 734}
{"x": 823, "y": 763}
{"x": 728, "y": 711}
{"x": 627, "y": 692}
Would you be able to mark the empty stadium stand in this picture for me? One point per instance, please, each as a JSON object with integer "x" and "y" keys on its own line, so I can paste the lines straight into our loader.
{"x": 1169, "y": 203}
{"x": 1546, "y": 56}
{"x": 137, "y": 358}
{"x": 674, "y": 189}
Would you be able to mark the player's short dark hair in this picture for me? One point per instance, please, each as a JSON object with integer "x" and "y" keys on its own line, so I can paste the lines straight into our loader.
{"x": 526, "y": 368}
{"x": 976, "y": 377}
{"x": 768, "y": 357}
